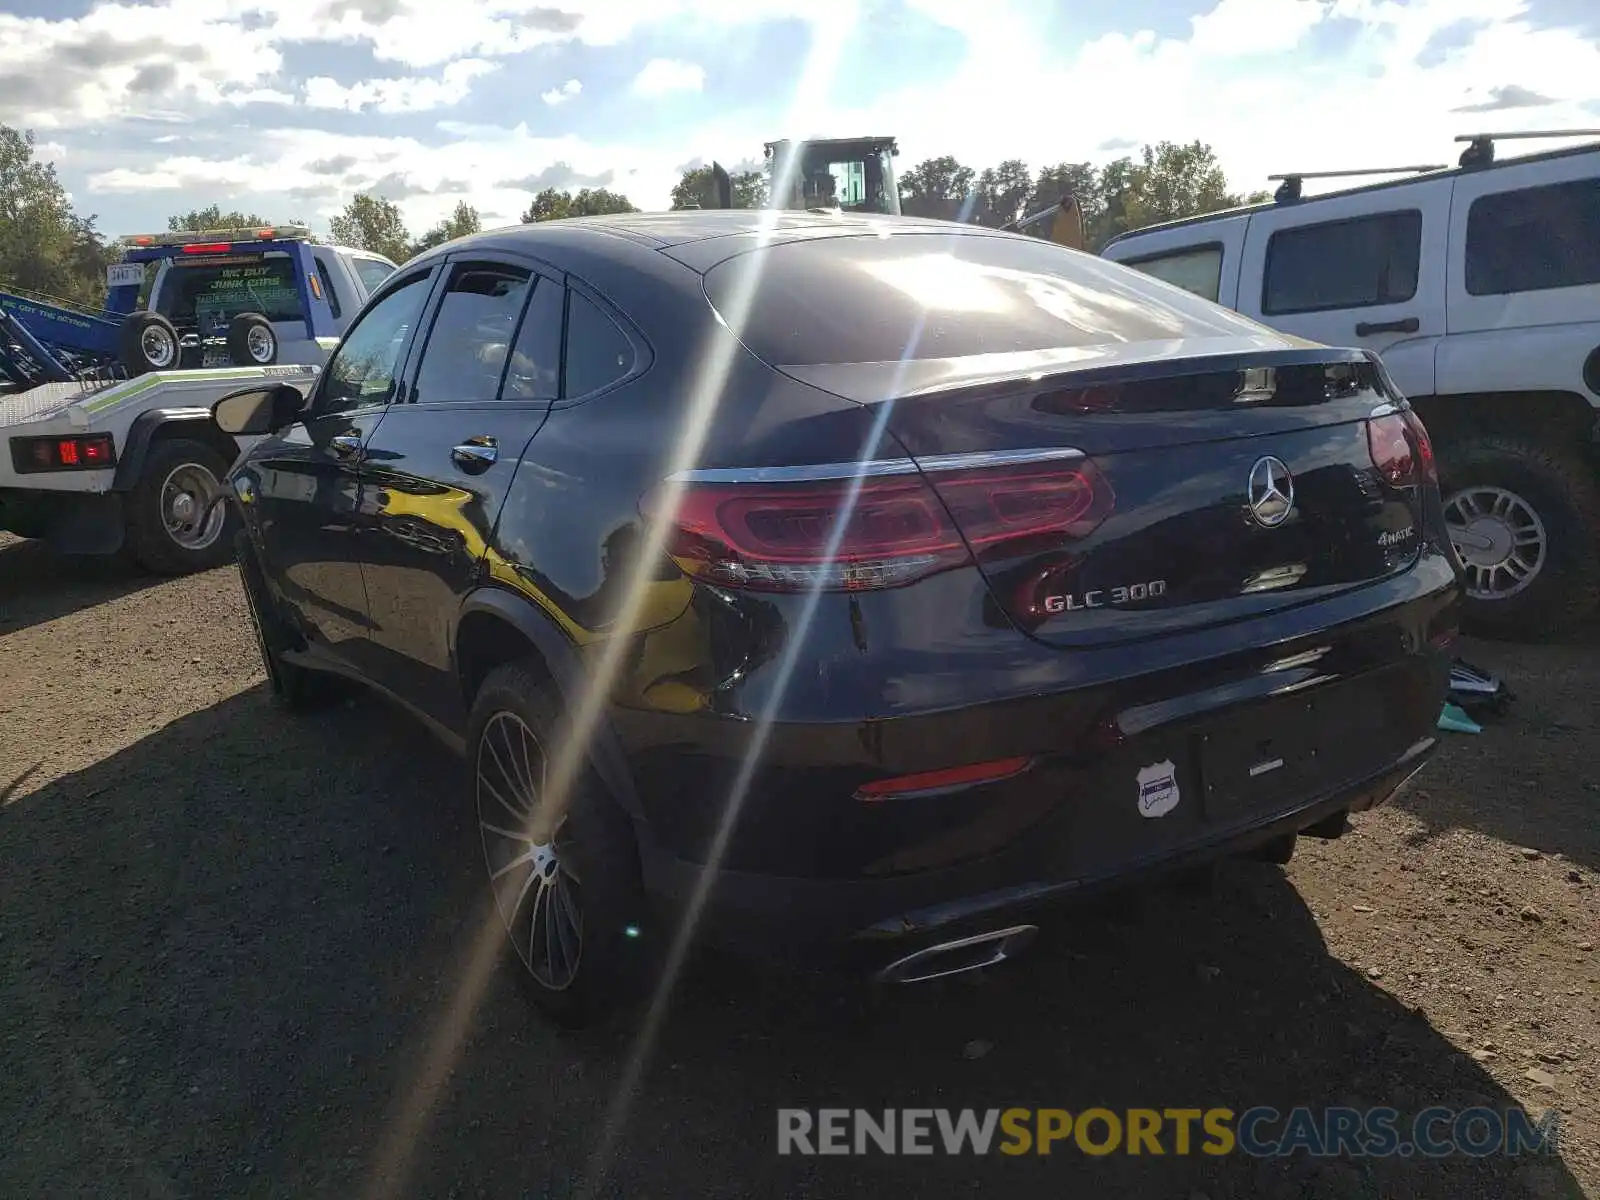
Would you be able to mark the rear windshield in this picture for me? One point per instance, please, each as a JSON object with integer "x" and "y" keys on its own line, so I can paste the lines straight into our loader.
{"x": 938, "y": 295}
{"x": 207, "y": 293}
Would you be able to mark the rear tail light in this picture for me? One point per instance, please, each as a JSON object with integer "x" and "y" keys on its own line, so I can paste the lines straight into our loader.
{"x": 83, "y": 452}
{"x": 1401, "y": 449}
{"x": 804, "y": 534}
{"x": 208, "y": 248}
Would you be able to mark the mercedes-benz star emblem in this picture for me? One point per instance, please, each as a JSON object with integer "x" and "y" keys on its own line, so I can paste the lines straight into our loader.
{"x": 1271, "y": 492}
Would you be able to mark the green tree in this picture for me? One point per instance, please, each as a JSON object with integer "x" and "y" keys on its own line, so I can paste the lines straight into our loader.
{"x": 461, "y": 223}
{"x": 552, "y": 204}
{"x": 212, "y": 217}
{"x": 1001, "y": 193}
{"x": 44, "y": 245}
{"x": 372, "y": 223}
{"x": 1168, "y": 181}
{"x": 697, "y": 189}
{"x": 936, "y": 187}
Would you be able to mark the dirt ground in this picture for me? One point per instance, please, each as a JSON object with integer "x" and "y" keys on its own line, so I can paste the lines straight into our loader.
{"x": 227, "y": 936}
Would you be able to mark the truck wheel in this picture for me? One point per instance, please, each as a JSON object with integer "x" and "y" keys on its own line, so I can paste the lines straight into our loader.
{"x": 1525, "y": 521}
{"x": 252, "y": 342}
{"x": 173, "y": 528}
{"x": 148, "y": 342}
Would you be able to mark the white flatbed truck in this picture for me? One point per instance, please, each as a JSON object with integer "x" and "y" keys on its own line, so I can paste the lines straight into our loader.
{"x": 130, "y": 467}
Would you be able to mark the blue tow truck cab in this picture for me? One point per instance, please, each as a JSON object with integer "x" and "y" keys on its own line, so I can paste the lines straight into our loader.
{"x": 217, "y": 297}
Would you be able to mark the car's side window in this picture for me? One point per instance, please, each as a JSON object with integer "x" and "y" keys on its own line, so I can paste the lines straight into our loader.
{"x": 1533, "y": 239}
{"x": 472, "y": 334}
{"x": 1196, "y": 269}
{"x": 598, "y": 353}
{"x": 362, "y": 371}
{"x": 1357, "y": 263}
{"x": 534, "y": 370}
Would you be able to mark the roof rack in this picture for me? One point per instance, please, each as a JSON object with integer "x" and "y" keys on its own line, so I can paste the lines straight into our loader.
{"x": 1289, "y": 187}
{"x": 1480, "y": 146}
{"x": 188, "y": 237}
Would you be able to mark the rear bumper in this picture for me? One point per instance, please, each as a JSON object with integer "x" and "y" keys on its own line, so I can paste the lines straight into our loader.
{"x": 71, "y": 522}
{"x": 861, "y": 925}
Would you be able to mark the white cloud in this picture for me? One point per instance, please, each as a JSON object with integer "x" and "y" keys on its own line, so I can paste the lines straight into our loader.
{"x": 400, "y": 95}
{"x": 560, "y": 95}
{"x": 1273, "y": 85}
{"x": 663, "y": 76}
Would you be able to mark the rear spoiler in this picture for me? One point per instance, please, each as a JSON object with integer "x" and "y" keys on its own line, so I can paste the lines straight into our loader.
{"x": 1065, "y": 219}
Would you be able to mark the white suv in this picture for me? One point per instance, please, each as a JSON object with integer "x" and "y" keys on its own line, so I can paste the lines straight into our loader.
{"x": 1480, "y": 287}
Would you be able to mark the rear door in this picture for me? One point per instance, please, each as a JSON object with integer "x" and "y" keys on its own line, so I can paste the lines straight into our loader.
{"x": 1524, "y": 276}
{"x": 436, "y": 472}
{"x": 308, "y": 488}
{"x": 1365, "y": 269}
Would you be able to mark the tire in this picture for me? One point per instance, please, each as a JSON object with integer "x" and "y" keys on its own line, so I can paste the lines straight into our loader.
{"x": 293, "y": 686}
{"x": 575, "y": 982}
{"x": 149, "y": 342}
{"x": 252, "y": 342}
{"x": 1501, "y": 488}
{"x": 196, "y": 471}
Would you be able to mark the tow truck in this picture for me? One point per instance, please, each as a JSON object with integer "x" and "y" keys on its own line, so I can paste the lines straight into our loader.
{"x": 106, "y": 440}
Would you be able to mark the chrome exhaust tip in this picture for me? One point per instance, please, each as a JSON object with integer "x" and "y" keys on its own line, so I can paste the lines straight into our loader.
{"x": 964, "y": 954}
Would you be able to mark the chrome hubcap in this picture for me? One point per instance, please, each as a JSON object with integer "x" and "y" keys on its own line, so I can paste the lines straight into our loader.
{"x": 157, "y": 347}
{"x": 186, "y": 496}
{"x": 1499, "y": 538}
{"x": 535, "y": 887}
{"x": 259, "y": 343}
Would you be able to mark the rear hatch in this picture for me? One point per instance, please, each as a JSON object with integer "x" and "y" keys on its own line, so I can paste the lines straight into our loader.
{"x": 1122, "y": 459}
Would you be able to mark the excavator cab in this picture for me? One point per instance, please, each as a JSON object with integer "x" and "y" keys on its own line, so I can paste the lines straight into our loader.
{"x": 835, "y": 175}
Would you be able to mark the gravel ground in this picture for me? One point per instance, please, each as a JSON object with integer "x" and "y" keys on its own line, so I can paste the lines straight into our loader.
{"x": 228, "y": 936}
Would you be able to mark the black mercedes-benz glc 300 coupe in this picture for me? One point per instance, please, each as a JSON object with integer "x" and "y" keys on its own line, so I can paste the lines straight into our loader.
{"x": 851, "y": 590}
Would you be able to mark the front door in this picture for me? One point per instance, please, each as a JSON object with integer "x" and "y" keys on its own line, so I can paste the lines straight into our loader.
{"x": 438, "y": 468}
{"x": 1365, "y": 269}
{"x": 308, "y": 488}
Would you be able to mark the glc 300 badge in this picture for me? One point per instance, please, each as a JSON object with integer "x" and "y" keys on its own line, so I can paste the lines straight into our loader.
{"x": 1105, "y": 597}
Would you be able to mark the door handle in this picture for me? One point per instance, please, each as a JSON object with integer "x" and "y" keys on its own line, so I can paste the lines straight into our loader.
{"x": 346, "y": 445}
{"x": 476, "y": 454}
{"x": 1405, "y": 325}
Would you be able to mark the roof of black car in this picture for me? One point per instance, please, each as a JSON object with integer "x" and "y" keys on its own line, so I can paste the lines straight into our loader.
{"x": 695, "y": 225}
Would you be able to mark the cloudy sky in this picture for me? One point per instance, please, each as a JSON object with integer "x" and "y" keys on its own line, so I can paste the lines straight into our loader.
{"x": 289, "y": 106}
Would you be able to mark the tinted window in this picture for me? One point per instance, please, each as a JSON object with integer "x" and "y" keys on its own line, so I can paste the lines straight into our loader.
{"x": 372, "y": 272}
{"x": 534, "y": 372}
{"x": 598, "y": 353}
{"x": 362, "y": 370}
{"x": 1197, "y": 270}
{"x": 471, "y": 334}
{"x": 1534, "y": 239}
{"x": 328, "y": 290}
{"x": 1343, "y": 264}
{"x": 942, "y": 295}
{"x": 207, "y": 295}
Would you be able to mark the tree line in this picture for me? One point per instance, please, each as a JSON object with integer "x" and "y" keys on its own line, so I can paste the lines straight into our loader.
{"x": 45, "y": 246}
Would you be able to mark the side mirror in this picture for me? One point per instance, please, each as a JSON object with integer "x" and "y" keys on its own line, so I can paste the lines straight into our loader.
{"x": 258, "y": 409}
